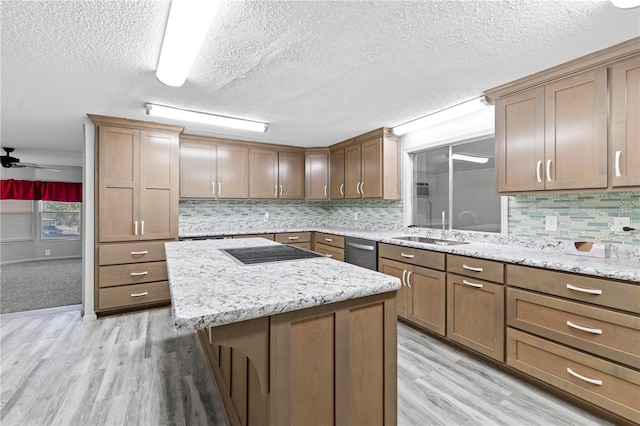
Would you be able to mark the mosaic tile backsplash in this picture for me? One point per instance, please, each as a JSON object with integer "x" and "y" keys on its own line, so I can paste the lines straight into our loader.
{"x": 372, "y": 214}
{"x": 581, "y": 216}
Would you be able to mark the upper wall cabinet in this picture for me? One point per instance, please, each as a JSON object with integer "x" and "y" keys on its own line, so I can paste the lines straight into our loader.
{"x": 371, "y": 166}
{"x": 552, "y": 128}
{"x": 625, "y": 123}
{"x": 137, "y": 182}
{"x": 213, "y": 170}
{"x": 276, "y": 174}
{"x": 317, "y": 175}
{"x": 336, "y": 172}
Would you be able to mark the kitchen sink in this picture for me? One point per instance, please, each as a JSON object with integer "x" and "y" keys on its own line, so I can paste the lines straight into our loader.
{"x": 427, "y": 240}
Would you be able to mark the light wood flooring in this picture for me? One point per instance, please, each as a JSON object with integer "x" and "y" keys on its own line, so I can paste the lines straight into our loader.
{"x": 137, "y": 369}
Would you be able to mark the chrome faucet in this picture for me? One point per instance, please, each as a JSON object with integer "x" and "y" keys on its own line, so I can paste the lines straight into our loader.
{"x": 443, "y": 218}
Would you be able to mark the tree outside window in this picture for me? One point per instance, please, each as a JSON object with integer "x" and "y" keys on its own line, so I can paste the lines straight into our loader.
{"x": 59, "y": 220}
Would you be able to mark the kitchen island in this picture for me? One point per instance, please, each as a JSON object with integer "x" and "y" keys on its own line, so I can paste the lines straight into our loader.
{"x": 310, "y": 341}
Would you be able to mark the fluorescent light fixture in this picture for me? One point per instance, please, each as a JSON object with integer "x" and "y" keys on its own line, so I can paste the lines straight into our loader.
{"x": 625, "y": 4}
{"x": 470, "y": 158}
{"x": 456, "y": 111}
{"x": 204, "y": 118}
{"x": 187, "y": 27}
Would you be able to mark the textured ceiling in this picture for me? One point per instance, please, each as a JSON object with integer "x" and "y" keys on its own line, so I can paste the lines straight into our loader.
{"x": 317, "y": 72}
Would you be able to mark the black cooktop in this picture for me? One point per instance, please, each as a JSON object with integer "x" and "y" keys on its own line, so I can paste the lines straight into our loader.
{"x": 265, "y": 254}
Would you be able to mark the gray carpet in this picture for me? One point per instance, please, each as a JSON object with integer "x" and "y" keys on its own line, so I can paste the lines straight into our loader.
{"x": 43, "y": 284}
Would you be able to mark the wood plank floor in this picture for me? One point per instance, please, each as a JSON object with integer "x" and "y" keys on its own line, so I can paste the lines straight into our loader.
{"x": 137, "y": 369}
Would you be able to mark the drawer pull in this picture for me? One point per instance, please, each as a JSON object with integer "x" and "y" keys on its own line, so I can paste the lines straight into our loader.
{"x": 465, "y": 282}
{"x": 328, "y": 239}
{"x": 137, "y": 274}
{"x": 329, "y": 255}
{"x": 472, "y": 268}
{"x": 409, "y": 256}
{"x": 139, "y": 294}
{"x": 583, "y": 290}
{"x": 586, "y": 379}
{"x": 294, "y": 238}
{"x": 139, "y": 253}
{"x": 588, "y": 330}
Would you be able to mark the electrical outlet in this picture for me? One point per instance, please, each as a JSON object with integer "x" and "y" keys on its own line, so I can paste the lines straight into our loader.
{"x": 621, "y": 221}
{"x": 266, "y": 217}
{"x": 356, "y": 216}
{"x": 551, "y": 223}
{"x": 47, "y": 252}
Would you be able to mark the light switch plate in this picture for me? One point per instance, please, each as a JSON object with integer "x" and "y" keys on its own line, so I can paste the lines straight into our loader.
{"x": 551, "y": 223}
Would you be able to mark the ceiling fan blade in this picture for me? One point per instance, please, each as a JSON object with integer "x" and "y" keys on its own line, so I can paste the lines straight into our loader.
{"x": 35, "y": 166}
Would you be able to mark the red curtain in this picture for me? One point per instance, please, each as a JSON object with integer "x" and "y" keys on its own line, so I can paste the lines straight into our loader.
{"x": 11, "y": 189}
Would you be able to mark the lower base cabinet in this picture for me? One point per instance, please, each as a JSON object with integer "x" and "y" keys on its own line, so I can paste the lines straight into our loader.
{"x": 603, "y": 383}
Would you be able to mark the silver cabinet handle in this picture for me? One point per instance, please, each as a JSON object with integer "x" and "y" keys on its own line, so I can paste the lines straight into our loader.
{"x": 342, "y": 189}
{"x": 213, "y": 188}
{"x": 538, "y": 167}
{"x": 294, "y": 238}
{"x": 583, "y": 290}
{"x": 404, "y": 273}
{"x": 137, "y": 274}
{"x": 219, "y": 187}
{"x": 465, "y": 282}
{"x": 135, "y": 227}
{"x": 276, "y": 194}
{"x": 586, "y": 379}
{"x": 361, "y": 246}
{"x": 142, "y": 227}
{"x": 358, "y": 188}
{"x": 139, "y": 294}
{"x": 328, "y": 255}
{"x": 408, "y": 256}
{"x": 618, "y": 154}
{"x": 281, "y": 190}
{"x": 548, "y": 170}
{"x": 409, "y": 279}
{"x": 362, "y": 187}
{"x": 325, "y": 190}
{"x": 472, "y": 268}
{"x": 328, "y": 239}
{"x": 588, "y": 330}
{"x": 138, "y": 253}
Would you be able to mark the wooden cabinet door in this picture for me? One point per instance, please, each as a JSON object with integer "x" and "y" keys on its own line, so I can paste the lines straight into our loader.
{"x": 291, "y": 175}
{"x": 159, "y": 181}
{"x": 371, "y": 183}
{"x": 197, "y": 170}
{"x": 352, "y": 171}
{"x": 625, "y": 125}
{"x": 475, "y": 315}
{"x": 576, "y": 111}
{"x": 398, "y": 270}
{"x": 118, "y": 183}
{"x": 336, "y": 180}
{"x": 317, "y": 176}
{"x": 263, "y": 173}
{"x": 519, "y": 136}
{"x": 427, "y": 298}
{"x": 233, "y": 172}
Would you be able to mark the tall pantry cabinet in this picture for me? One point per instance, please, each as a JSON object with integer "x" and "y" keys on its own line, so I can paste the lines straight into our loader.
{"x": 137, "y": 178}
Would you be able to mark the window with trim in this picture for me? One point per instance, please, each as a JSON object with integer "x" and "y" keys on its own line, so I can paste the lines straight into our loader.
{"x": 16, "y": 220}
{"x": 59, "y": 220}
{"x": 454, "y": 185}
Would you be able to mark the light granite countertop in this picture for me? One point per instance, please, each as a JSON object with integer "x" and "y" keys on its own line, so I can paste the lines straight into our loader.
{"x": 208, "y": 288}
{"x": 536, "y": 252}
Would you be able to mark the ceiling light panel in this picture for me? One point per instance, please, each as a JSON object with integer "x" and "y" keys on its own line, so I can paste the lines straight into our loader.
{"x": 447, "y": 114}
{"x": 204, "y": 118}
{"x": 188, "y": 25}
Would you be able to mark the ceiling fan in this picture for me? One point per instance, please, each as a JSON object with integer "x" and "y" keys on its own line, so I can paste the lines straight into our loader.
{"x": 9, "y": 162}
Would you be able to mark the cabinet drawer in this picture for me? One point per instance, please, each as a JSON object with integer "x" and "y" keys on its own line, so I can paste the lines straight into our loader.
{"x": 265, "y": 236}
{"x": 333, "y": 252}
{"x": 425, "y": 258}
{"x": 599, "y": 291}
{"x": 114, "y": 275}
{"x": 330, "y": 240}
{"x": 131, "y": 295}
{"x": 115, "y": 254}
{"x": 477, "y": 268}
{"x": 306, "y": 246}
{"x": 599, "y": 331}
{"x": 294, "y": 237}
{"x": 615, "y": 388}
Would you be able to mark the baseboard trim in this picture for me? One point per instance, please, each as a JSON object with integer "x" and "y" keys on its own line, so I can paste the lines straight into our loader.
{"x": 38, "y": 259}
{"x": 44, "y": 311}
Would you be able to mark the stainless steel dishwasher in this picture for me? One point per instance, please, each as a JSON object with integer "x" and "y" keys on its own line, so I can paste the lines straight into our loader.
{"x": 361, "y": 252}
